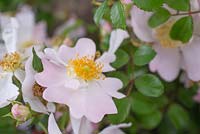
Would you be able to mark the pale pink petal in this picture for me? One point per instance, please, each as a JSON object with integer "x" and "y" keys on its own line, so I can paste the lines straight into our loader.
{"x": 139, "y": 22}
{"x": 54, "y": 57}
{"x": 20, "y": 74}
{"x": 194, "y": 5}
{"x": 27, "y": 92}
{"x": 76, "y": 123}
{"x": 52, "y": 125}
{"x": 40, "y": 32}
{"x": 26, "y": 20}
{"x": 111, "y": 86}
{"x": 167, "y": 62}
{"x": 106, "y": 59}
{"x": 95, "y": 96}
{"x": 116, "y": 38}
{"x": 3, "y": 49}
{"x": 51, "y": 107}
{"x": 58, "y": 94}
{"x": 191, "y": 52}
{"x": 81, "y": 126}
{"x": 9, "y": 33}
{"x": 85, "y": 47}
{"x": 8, "y": 90}
{"x": 77, "y": 104}
{"x": 52, "y": 74}
{"x": 66, "y": 53}
{"x": 115, "y": 129}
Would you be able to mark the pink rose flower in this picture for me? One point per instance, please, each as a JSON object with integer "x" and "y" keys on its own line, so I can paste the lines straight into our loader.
{"x": 74, "y": 77}
{"x": 171, "y": 55}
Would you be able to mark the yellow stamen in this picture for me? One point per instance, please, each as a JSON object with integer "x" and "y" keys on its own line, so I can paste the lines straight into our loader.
{"x": 11, "y": 62}
{"x": 86, "y": 68}
{"x": 162, "y": 34}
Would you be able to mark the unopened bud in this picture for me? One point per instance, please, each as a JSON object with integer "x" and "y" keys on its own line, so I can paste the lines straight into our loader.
{"x": 20, "y": 112}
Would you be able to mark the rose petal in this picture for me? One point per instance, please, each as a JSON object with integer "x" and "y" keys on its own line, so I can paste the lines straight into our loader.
{"x": 116, "y": 38}
{"x": 9, "y": 34}
{"x": 66, "y": 53}
{"x": 167, "y": 62}
{"x": 52, "y": 125}
{"x": 95, "y": 96}
{"x": 111, "y": 86}
{"x": 105, "y": 60}
{"x": 27, "y": 92}
{"x": 26, "y": 21}
{"x": 85, "y": 47}
{"x": 139, "y": 21}
{"x": 40, "y": 32}
{"x": 8, "y": 91}
{"x": 52, "y": 74}
{"x": 115, "y": 129}
{"x": 191, "y": 62}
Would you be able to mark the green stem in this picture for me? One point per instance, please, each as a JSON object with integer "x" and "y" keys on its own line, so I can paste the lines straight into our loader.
{"x": 187, "y": 13}
{"x": 43, "y": 127}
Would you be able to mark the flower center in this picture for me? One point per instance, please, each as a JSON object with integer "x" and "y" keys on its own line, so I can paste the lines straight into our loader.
{"x": 85, "y": 68}
{"x": 11, "y": 62}
{"x": 162, "y": 34}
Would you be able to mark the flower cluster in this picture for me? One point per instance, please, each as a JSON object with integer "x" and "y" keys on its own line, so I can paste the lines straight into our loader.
{"x": 73, "y": 76}
{"x": 141, "y": 67}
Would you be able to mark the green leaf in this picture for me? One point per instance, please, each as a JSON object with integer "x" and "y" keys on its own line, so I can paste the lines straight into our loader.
{"x": 141, "y": 104}
{"x": 186, "y": 97}
{"x": 36, "y": 62}
{"x": 159, "y": 17}
{"x": 178, "y": 116}
{"x": 123, "y": 108}
{"x": 150, "y": 121}
{"x": 100, "y": 12}
{"x": 121, "y": 76}
{"x": 64, "y": 119}
{"x": 148, "y": 5}
{"x": 181, "y": 5}
{"x": 143, "y": 55}
{"x": 16, "y": 82}
{"x": 183, "y": 29}
{"x": 121, "y": 60}
{"x": 138, "y": 71}
{"x": 118, "y": 15}
{"x": 149, "y": 85}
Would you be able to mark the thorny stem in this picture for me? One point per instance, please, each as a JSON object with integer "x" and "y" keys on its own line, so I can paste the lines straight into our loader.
{"x": 187, "y": 13}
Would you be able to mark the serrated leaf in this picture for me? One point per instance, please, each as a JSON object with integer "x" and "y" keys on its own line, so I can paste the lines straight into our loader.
{"x": 118, "y": 15}
{"x": 36, "y": 62}
{"x": 183, "y": 29}
{"x": 122, "y": 59}
{"x": 159, "y": 17}
{"x": 123, "y": 108}
{"x": 100, "y": 12}
{"x": 181, "y": 5}
{"x": 148, "y": 5}
{"x": 143, "y": 55}
{"x": 178, "y": 116}
{"x": 141, "y": 104}
{"x": 149, "y": 85}
{"x": 151, "y": 120}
